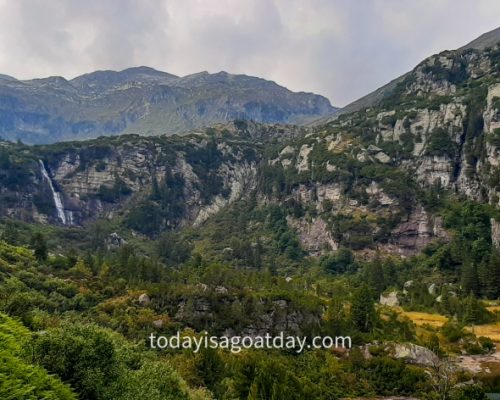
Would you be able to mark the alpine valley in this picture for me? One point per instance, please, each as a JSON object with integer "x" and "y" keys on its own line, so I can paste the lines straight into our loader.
{"x": 228, "y": 204}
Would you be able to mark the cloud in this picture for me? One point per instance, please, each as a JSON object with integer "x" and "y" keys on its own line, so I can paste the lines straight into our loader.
{"x": 339, "y": 48}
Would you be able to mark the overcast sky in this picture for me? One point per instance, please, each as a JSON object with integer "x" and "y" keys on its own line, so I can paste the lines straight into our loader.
{"x": 342, "y": 49}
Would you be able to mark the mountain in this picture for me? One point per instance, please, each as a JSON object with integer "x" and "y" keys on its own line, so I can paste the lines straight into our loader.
{"x": 487, "y": 39}
{"x": 144, "y": 101}
{"x": 437, "y": 128}
{"x": 382, "y": 225}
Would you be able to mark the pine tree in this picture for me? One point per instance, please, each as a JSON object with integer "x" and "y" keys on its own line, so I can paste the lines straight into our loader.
{"x": 363, "y": 309}
{"x": 483, "y": 272}
{"x": 470, "y": 310}
{"x": 470, "y": 279}
{"x": 446, "y": 306}
{"x": 82, "y": 269}
{"x": 10, "y": 233}
{"x": 155, "y": 188}
{"x": 375, "y": 277}
{"x": 39, "y": 245}
{"x": 433, "y": 343}
{"x": 492, "y": 279}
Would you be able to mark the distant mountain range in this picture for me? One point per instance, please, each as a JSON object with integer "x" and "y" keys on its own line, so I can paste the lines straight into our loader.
{"x": 144, "y": 101}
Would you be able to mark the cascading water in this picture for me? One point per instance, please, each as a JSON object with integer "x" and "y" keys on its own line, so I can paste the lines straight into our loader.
{"x": 55, "y": 195}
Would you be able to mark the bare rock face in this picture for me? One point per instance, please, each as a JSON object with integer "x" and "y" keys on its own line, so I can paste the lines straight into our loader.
{"x": 101, "y": 178}
{"x": 390, "y": 299}
{"x": 314, "y": 236}
{"x": 416, "y": 233}
{"x": 277, "y": 315}
{"x": 432, "y": 289}
{"x": 303, "y": 158}
{"x": 435, "y": 169}
{"x": 409, "y": 352}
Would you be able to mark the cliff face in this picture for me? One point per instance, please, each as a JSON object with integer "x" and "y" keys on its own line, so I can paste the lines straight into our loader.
{"x": 368, "y": 180}
{"x": 367, "y": 174}
{"x": 108, "y": 178}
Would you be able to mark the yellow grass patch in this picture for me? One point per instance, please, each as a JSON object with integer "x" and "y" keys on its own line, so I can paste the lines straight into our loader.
{"x": 421, "y": 318}
{"x": 489, "y": 330}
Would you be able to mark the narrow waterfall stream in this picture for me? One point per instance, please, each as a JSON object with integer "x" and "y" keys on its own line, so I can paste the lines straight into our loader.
{"x": 55, "y": 195}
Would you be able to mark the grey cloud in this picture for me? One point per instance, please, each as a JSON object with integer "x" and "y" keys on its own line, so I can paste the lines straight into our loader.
{"x": 339, "y": 48}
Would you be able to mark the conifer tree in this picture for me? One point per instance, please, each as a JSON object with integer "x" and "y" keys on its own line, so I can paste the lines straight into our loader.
{"x": 362, "y": 309}
{"x": 492, "y": 278}
{"x": 375, "y": 277}
{"x": 39, "y": 245}
{"x": 470, "y": 278}
{"x": 470, "y": 310}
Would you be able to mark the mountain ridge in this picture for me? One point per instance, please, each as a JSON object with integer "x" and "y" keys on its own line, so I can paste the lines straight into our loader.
{"x": 483, "y": 41}
{"x": 145, "y": 101}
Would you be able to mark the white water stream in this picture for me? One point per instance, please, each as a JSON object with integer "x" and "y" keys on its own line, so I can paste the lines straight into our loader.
{"x": 56, "y": 195}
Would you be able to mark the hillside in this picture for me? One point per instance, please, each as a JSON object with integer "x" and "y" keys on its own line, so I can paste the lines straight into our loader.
{"x": 143, "y": 101}
{"x": 484, "y": 41}
{"x": 383, "y": 224}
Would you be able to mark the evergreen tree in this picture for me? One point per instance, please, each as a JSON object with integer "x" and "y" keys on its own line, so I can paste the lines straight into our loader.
{"x": 209, "y": 367}
{"x": 155, "y": 188}
{"x": 375, "y": 277}
{"x": 10, "y": 233}
{"x": 470, "y": 279}
{"x": 39, "y": 245}
{"x": 492, "y": 277}
{"x": 470, "y": 310}
{"x": 82, "y": 269}
{"x": 363, "y": 309}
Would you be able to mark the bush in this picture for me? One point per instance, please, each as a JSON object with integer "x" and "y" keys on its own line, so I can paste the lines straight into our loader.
{"x": 114, "y": 193}
{"x": 19, "y": 379}
{"x": 82, "y": 355}
{"x": 340, "y": 262}
{"x": 441, "y": 144}
{"x": 487, "y": 344}
{"x": 452, "y": 331}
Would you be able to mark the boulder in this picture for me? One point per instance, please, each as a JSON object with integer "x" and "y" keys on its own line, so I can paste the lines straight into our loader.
{"x": 144, "y": 299}
{"x": 383, "y": 158}
{"x": 390, "y": 299}
{"x": 114, "y": 240}
{"x": 408, "y": 284}
{"x": 413, "y": 354}
{"x": 432, "y": 289}
{"x": 158, "y": 323}
{"x": 221, "y": 290}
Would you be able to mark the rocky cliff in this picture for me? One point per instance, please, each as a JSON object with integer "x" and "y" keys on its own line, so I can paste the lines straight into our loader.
{"x": 370, "y": 180}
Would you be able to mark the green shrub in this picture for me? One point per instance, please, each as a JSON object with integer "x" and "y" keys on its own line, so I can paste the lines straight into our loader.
{"x": 440, "y": 144}
{"x": 452, "y": 331}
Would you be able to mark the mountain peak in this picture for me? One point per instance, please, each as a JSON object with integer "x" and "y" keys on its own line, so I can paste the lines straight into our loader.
{"x": 147, "y": 101}
{"x": 102, "y": 80}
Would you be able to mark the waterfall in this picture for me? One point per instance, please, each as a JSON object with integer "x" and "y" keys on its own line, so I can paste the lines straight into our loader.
{"x": 55, "y": 195}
